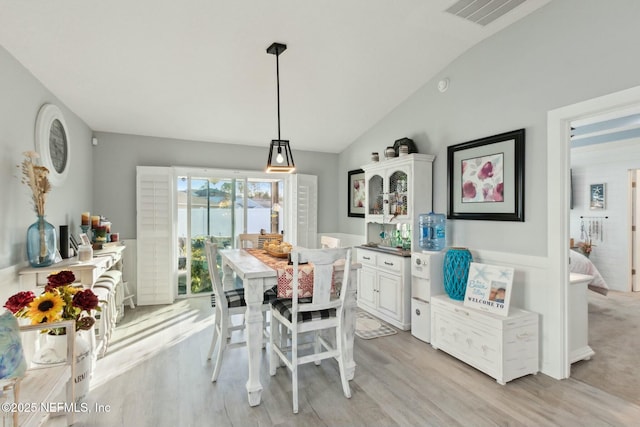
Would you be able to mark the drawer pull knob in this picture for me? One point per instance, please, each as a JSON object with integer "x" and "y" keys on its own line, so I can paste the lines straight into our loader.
{"x": 523, "y": 336}
{"x": 366, "y": 257}
{"x": 388, "y": 263}
{"x": 466, "y": 313}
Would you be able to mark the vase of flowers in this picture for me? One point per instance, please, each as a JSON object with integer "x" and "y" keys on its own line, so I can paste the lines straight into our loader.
{"x": 41, "y": 236}
{"x": 61, "y": 300}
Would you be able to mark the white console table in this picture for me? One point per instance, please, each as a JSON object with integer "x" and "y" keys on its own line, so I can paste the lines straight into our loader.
{"x": 86, "y": 272}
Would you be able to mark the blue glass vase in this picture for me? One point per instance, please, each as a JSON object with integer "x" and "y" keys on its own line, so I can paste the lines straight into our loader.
{"x": 41, "y": 243}
{"x": 456, "y": 272}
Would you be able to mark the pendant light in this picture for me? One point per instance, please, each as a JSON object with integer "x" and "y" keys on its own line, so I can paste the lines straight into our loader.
{"x": 280, "y": 157}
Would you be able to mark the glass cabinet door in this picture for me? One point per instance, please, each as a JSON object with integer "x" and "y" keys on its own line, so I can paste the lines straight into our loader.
{"x": 397, "y": 190}
{"x": 376, "y": 195}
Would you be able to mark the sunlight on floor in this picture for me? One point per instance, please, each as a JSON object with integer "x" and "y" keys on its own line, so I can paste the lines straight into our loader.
{"x": 148, "y": 330}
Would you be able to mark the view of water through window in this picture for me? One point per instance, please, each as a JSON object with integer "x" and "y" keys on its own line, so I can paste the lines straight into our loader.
{"x": 220, "y": 208}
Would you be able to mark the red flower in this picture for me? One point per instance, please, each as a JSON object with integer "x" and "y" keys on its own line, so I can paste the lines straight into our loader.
{"x": 61, "y": 278}
{"x": 19, "y": 301}
{"x": 85, "y": 300}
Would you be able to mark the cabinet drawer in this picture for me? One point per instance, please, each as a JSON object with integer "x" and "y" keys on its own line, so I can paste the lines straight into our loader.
{"x": 390, "y": 263}
{"x": 366, "y": 257}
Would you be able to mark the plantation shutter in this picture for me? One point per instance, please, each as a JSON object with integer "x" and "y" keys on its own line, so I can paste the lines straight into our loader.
{"x": 157, "y": 267}
{"x": 302, "y": 195}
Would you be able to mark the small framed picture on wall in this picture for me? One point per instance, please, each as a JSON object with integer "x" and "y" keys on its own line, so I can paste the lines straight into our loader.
{"x": 597, "y": 196}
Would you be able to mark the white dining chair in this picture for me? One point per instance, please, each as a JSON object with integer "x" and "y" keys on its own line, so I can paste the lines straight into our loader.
{"x": 227, "y": 304}
{"x": 323, "y": 311}
{"x": 247, "y": 240}
{"x": 329, "y": 242}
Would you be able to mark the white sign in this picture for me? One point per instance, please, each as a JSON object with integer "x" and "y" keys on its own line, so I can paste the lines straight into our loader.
{"x": 489, "y": 288}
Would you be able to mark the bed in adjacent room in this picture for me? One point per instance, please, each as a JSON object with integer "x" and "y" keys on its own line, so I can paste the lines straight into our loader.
{"x": 579, "y": 263}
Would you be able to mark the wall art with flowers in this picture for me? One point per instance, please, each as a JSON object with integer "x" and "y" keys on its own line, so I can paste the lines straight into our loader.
{"x": 486, "y": 178}
{"x": 356, "y": 192}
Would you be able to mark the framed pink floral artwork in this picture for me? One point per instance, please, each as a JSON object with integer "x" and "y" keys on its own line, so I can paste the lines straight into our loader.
{"x": 356, "y": 193}
{"x": 486, "y": 178}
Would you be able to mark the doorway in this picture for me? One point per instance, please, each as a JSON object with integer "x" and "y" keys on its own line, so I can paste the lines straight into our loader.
{"x": 558, "y": 197}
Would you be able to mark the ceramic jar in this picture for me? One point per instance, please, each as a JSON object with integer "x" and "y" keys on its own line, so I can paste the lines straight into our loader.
{"x": 390, "y": 152}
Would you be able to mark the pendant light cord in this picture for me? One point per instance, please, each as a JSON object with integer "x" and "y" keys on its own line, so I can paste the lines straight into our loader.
{"x": 278, "y": 89}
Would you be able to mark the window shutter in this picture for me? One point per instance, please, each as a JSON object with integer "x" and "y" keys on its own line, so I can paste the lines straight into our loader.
{"x": 157, "y": 269}
{"x": 302, "y": 196}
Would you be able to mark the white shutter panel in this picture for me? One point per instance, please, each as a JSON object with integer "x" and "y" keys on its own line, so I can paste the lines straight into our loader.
{"x": 157, "y": 272}
{"x": 302, "y": 196}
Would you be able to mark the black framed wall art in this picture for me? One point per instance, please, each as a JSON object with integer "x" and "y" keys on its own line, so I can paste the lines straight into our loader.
{"x": 356, "y": 192}
{"x": 485, "y": 178}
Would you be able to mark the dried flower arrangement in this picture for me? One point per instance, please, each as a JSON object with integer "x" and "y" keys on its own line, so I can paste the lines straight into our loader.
{"x": 37, "y": 178}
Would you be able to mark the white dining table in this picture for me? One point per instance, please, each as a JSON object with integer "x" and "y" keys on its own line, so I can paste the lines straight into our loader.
{"x": 256, "y": 278}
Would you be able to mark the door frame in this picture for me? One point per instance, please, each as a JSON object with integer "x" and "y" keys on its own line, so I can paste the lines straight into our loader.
{"x": 558, "y": 191}
{"x": 633, "y": 219}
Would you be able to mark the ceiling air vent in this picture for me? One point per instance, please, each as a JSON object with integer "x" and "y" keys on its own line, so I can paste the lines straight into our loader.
{"x": 483, "y": 12}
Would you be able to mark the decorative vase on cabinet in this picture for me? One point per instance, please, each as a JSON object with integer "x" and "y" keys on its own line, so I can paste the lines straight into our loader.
{"x": 456, "y": 272}
{"x": 41, "y": 243}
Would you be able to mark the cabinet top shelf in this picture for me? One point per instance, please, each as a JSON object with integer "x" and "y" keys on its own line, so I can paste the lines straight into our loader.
{"x": 399, "y": 160}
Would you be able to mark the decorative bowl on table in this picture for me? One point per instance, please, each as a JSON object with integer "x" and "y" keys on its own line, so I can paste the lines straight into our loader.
{"x": 278, "y": 249}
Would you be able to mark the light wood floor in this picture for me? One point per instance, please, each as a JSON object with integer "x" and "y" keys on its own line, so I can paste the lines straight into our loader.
{"x": 156, "y": 374}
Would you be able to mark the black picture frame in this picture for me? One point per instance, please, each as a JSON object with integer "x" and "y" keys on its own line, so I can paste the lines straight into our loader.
{"x": 356, "y": 191}
{"x": 485, "y": 178}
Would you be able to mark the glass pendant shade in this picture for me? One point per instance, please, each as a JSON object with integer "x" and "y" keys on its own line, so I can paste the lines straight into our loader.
{"x": 280, "y": 157}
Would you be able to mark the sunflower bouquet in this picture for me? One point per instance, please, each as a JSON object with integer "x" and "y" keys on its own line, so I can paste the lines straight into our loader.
{"x": 61, "y": 300}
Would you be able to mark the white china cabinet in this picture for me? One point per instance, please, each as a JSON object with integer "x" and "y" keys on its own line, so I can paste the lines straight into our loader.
{"x": 397, "y": 191}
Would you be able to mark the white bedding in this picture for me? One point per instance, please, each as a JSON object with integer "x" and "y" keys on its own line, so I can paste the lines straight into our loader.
{"x": 581, "y": 264}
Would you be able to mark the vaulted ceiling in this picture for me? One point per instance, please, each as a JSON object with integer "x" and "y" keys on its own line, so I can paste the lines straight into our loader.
{"x": 198, "y": 69}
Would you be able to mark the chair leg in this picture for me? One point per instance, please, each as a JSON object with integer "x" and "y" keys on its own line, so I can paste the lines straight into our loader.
{"x": 216, "y": 326}
{"x": 224, "y": 324}
{"x": 316, "y": 346}
{"x": 294, "y": 371}
{"x": 341, "y": 363}
{"x": 264, "y": 329}
{"x": 274, "y": 337}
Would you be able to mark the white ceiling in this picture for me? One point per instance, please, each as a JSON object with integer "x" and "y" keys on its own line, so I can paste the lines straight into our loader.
{"x": 198, "y": 69}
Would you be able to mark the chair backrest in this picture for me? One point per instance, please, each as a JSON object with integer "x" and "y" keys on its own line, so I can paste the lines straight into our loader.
{"x": 248, "y": 240}
{"x": 211, "y": 250}
{"x": 329, "y": 242}
{"x": 323, "y": 261}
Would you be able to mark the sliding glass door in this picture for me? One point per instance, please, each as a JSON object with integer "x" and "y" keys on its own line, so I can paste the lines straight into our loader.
{"x": 220, "y": 207}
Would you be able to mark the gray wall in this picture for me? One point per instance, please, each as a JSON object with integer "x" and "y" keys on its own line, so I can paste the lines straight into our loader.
{"x": 22, "y": 95}
{"x": 116, "y": 157}
{"x": 566, "y": 52}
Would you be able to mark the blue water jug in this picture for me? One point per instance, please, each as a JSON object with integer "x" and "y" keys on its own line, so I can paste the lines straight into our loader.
{"x": 432, "y": 231}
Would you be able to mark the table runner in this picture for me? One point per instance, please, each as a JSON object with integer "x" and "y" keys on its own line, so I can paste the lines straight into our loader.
{"x": 285, "y": 274}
